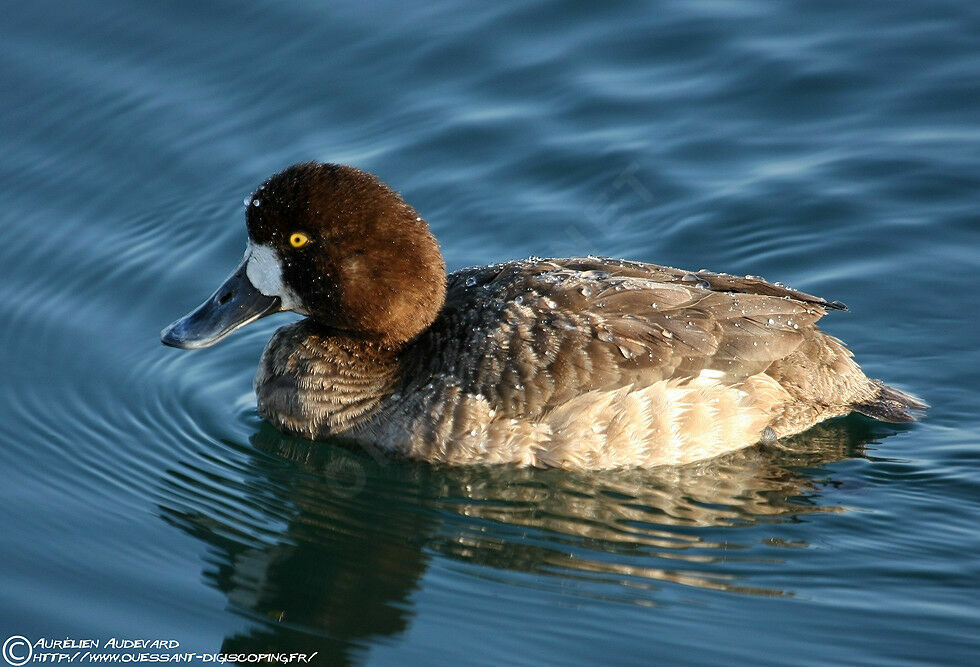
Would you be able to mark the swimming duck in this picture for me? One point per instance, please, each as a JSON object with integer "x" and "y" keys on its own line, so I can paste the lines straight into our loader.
{"x": 585, "y": 363}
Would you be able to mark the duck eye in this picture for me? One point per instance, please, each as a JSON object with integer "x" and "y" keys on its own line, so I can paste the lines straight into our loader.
{"x": 298, "y": 239}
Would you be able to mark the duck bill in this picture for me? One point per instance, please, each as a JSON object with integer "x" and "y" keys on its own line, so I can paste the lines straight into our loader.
{"x": 233, "y": 305}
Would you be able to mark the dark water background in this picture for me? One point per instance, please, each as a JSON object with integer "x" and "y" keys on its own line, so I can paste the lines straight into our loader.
{"x": 833, "y": 146}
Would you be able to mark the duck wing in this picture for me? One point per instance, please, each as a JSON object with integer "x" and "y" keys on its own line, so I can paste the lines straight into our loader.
{"x": 531, "y": 335}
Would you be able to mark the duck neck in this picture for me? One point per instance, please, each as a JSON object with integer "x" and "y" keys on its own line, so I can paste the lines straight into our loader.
{"x": 316, "y": 381}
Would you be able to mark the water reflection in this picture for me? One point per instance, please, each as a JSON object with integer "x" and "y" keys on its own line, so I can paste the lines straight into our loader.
{"x": 322, "y": 546}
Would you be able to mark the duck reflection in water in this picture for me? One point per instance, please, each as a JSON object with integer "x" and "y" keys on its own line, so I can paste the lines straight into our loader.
{"x": 322, "y": 546}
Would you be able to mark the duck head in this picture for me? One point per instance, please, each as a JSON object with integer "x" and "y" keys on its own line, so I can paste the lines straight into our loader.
{"x": 335, "y": 244}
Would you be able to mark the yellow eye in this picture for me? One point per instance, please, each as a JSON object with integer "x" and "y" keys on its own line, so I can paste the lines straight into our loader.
{"x": 298, "y": 240}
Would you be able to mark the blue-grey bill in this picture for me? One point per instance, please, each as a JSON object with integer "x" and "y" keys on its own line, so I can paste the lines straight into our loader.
{"x": 232, "y": 306}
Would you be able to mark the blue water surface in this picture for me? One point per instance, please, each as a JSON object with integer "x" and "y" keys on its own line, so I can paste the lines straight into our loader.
{"x": 832, "y": 146}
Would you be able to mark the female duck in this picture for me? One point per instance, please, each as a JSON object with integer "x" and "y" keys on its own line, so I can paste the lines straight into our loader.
{"x": 572, "y": 363}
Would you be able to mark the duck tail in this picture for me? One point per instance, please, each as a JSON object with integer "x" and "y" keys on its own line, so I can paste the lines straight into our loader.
{"x": 891, "y": 405}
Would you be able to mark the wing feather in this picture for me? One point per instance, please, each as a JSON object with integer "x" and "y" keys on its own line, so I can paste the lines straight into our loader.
{"x": 531, "y": 335}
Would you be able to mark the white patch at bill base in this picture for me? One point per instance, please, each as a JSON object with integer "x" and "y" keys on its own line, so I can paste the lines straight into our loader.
{"x": 264, "y": 271}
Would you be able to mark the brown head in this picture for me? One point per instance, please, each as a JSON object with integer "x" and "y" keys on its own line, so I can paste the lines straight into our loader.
{"x": 333, "y": 243}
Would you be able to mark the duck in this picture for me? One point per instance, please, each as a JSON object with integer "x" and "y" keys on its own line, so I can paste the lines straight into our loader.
{"x": 582, "y": 363}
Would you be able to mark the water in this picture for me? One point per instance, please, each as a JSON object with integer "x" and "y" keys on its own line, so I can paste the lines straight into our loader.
{"x": 831, "y": 146}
